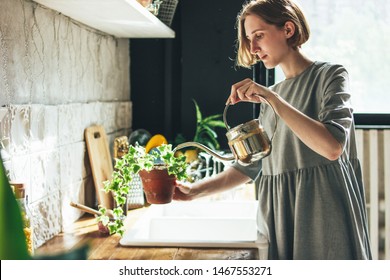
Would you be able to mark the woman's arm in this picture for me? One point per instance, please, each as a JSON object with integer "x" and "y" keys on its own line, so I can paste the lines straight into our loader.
{"x": 227, "y": 179}
{"x": 311, "y": 132}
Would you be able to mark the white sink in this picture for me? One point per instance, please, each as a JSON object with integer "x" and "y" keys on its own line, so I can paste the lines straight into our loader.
{"x": 221, "y": 224}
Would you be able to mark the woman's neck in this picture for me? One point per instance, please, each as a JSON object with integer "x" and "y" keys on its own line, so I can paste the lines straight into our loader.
{"x": 295, "y": 64}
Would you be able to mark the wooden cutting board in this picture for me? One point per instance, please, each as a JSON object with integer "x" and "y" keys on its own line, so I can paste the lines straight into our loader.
{"x": 101, "y": 162}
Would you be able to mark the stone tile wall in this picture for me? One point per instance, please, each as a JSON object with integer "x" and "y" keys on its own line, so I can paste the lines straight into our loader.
{"x": 57, "y": 77}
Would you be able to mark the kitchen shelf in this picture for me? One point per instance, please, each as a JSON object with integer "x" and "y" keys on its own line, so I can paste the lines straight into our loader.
{"x": 120, "y": 18}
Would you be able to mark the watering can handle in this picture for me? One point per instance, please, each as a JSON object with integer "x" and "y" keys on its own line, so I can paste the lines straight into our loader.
{"x": 266, "y": 101}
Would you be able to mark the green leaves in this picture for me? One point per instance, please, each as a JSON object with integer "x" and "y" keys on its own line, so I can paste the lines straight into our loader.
{"x": 13, "y": 244}
{"x": 205, "y": 128}
{"x": 116, "y": 226}
{"x": 129, "y": 166}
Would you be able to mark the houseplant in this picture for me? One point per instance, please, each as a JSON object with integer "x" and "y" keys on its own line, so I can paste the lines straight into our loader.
{"x": 137, "y": 161}
{"x": 205, "y": 133}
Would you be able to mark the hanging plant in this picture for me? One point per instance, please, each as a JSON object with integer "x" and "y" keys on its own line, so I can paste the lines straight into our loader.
{"x": 130, "y": 165}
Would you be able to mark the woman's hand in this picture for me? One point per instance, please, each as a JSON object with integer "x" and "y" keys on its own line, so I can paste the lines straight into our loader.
{"x": 182, "y": 191}
{"x": 249, "y": 91}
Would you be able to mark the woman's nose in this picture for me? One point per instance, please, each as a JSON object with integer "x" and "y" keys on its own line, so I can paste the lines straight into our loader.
{"x": 254, "y": 48}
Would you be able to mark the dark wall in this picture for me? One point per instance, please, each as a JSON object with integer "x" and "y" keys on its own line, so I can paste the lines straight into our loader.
{"x": 166, "y": 74}
{"x": 147, "y": 84}
{"x": 208, "y": 65}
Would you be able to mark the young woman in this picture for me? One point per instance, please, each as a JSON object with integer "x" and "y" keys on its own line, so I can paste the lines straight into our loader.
{"x": 310, "y": 190}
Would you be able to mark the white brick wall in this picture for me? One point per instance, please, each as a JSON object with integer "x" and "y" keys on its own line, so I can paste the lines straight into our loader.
{"x": 57, "y": 77}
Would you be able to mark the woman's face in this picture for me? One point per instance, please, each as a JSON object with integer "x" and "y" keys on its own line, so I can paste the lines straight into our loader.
{"x": 266, "y": 41}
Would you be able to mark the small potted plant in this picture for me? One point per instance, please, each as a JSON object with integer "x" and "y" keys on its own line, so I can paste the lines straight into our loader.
{"x": 159, "y": 169}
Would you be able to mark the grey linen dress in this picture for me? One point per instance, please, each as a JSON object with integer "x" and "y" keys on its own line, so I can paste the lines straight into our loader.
{"x": 311, "y": 207}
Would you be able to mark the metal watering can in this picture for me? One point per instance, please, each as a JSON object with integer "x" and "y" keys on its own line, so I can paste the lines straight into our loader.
{"x": 248, "y": 142}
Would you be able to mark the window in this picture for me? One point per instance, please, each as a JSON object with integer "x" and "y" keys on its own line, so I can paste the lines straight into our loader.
{"x": 353, "y": 33}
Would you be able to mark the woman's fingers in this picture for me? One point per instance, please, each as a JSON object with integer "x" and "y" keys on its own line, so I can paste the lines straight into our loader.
{"x": 234, "y": 97}
{"x": 182, "y": 191}
{"x": 245, "y": 90}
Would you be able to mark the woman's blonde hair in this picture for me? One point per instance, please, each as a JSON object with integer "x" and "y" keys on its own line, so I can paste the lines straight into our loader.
{"x": 275, "y": 12}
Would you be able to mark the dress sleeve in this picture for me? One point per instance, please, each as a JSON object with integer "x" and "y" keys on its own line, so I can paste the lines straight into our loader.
{"x": 252, "y": 171}
{"x": 336, "y": 112}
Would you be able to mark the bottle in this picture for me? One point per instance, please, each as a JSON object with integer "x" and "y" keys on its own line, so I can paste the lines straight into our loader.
{"x": 22, "y": 199}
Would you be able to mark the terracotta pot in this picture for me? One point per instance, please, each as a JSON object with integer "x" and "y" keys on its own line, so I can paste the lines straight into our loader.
{"x": 158, "y": 185}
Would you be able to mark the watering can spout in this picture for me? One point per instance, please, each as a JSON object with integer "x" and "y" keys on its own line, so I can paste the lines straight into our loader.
{"x": 204, "y": 148}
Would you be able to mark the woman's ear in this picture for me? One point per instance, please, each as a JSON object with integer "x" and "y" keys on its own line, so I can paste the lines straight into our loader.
{"x": 289, "y": 29}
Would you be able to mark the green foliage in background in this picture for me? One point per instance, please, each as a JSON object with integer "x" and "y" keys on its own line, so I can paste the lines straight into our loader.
{"x": 205, "y": 128}
{"x": 205, "y": 132}
{"x": 13, "y": 245}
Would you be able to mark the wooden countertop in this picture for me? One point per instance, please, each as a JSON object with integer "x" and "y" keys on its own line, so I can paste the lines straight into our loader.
{"x": 104, "y": 247}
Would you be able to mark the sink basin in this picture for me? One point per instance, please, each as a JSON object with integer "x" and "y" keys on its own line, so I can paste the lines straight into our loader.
{"x": 221, "y": 224}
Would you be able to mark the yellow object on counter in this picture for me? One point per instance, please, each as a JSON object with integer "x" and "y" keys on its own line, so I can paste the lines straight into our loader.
{"x": 155, "y": 141}
{"x": 29, "y": 239}
{"x": 191, "y": 155}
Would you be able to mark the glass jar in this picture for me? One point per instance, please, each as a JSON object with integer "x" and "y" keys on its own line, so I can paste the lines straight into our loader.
{"x": 22, "y": 199}
{"x": 145, "y": 3}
